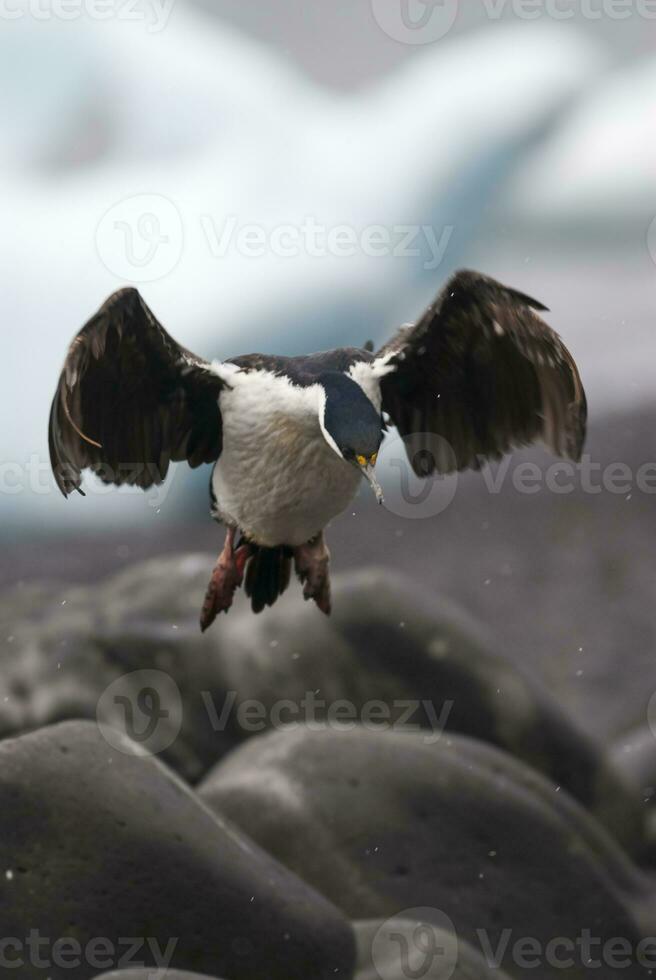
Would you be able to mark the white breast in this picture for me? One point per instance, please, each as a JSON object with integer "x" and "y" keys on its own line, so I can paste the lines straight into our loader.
{"x": 277, "y": 479}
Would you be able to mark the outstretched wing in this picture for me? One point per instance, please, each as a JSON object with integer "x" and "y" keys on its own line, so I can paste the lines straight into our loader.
{"x": 130, "y": 400}
{"x": 482, "y": 371}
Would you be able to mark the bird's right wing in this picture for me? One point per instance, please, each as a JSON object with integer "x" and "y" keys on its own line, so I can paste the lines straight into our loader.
{"x": 130, "y": 399}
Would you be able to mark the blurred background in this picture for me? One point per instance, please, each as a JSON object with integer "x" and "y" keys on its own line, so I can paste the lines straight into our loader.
{"x": 299, "y": 175}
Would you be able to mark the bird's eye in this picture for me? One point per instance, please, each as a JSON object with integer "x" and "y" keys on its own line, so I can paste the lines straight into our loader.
{"x": 362, "y": 460}
{"x": 373, "y": 458}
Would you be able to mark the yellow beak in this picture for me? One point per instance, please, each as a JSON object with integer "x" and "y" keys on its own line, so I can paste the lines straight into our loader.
{"x": 367, "y": 467}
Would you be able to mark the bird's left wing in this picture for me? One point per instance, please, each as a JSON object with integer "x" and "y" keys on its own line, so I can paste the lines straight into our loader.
{"x": 130, "y": 399}
{"x": 485, "y": 373}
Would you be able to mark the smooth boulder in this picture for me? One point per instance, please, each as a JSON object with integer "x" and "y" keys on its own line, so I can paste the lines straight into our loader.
{"x": 382, "y": 822}
{"x": 634, "y": 755}
{"x": 99, "y": 841}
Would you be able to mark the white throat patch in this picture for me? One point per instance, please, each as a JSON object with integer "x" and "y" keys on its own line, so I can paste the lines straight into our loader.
{"x": 367, "y": 376}
{"x": 322, "y": 417}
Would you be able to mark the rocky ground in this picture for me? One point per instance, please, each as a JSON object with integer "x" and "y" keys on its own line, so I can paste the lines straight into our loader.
{"x": 450, "y": 777}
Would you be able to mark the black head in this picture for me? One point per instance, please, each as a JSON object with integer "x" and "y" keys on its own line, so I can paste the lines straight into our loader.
{"x": 350, "y": 422}
{"x": 351, "y": 425}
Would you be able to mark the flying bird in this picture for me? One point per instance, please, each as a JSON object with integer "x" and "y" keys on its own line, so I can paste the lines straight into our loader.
{"x": 291, "y": 438}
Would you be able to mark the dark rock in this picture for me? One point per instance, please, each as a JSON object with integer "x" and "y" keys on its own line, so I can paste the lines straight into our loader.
{"x": 385, "y": 641}
{"x": 408, "y": 645}
{"x": 100, "y": 842}
{"x": 634, "y": 754}
{"x": 384, "y": 822}
{"x": 64, "y": 647}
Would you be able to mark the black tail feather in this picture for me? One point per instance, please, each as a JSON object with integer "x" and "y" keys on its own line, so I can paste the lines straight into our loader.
{"x": 267, "y": 575}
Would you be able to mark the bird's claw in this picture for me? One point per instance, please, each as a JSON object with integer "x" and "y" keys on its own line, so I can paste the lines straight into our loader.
{"x": 312, "y": 562}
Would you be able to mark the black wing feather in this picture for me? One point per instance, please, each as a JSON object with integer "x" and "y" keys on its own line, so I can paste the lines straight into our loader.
{"x": 130, "y": 400}
{"x": 485, "y": 373}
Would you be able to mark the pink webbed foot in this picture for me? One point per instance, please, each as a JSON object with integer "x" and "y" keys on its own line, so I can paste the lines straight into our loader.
{"x": 227, "y": 577}
{"x": 312, "y": 563}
